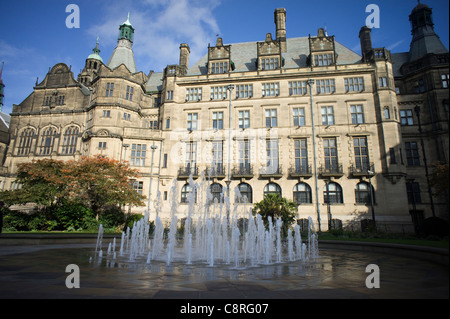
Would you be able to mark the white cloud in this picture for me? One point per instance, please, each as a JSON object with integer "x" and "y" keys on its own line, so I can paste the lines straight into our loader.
{"x": 160, "y": 27}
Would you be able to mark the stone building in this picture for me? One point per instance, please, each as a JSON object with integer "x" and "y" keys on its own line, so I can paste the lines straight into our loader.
{"x": 306, "y": 117}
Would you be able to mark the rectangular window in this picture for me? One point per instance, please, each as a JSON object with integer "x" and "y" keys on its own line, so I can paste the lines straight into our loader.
{"x": 406, "y": 117}
{"x": 387, "y": 113}
{"x": 354, "y": 84}
{"x": 169, "y": 95}
{"x": 325, "y": 86}
{"x": 138, "y": 187}
{"x": 192, "y": 119}
{"x": 61, "y": 100}
{"x": 102, "y": 145}
{"x": 357, "y": 114}
{"x": 217, "y": 154}
{"x": 323, "y": 59}
{"x": 153, "y": 125}
{"x": 270, "y": 64}
{"x": 129, "y": 94}
{"x": 127, "y": 116}
{"x": 413, "y": 192}
{"x": 109, "y": 89}
{"x": 298, "y": 88}
{"x": 330, "y": 152}
{"x": 106, "y": 113}
{"x": 244, "y": 155}
{"x": 392, "y": 159}
{"x": 218, "y": 120}
{"x": 301, "y": 155}
{"x": 165, "y": 161}
{"x": 219, "y": 67}
{"x": 298, "y": 114}
{"x": 271, "y": 89}
{"x": 272, "y": 153}
{"x": 193, "y": 94}
{"x": 244, "y": 91}
{"x": 271, "y": 118}
{"x": 167, "y": 123}
{"x": 327, "y": 115}
{"x": 412, "y": 153}
{"x": 244, "y": 119}
{"x": 138, "y": 154}
{"x": 382, "y": 81}
{"x": 218, "y": 92}
{"x": 445, "y": 79}
{"x": 361, "y": 154}
{"x": 191, "y": 155}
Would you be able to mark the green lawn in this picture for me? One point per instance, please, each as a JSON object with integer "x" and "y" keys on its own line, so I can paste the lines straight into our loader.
{"x": 386, "y": 238}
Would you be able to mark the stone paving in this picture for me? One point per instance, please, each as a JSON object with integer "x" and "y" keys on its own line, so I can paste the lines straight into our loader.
{"x": 39, "y": 271}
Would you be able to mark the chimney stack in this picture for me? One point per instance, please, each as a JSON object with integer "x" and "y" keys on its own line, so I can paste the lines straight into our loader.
{"x": 366, "y": 42}
{"x": 280, "y": 23}
{"x": 184, "y": 55}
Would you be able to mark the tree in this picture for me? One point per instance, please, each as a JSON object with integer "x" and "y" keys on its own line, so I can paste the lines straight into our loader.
{"x": 275, "y": 206}
{"x": 99, "y": 181}
{"x": 91, "y": 181}
{"x": 41, "y": 182}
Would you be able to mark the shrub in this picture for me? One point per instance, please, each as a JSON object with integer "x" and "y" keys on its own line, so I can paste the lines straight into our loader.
{"x": 15, "y": 220}
{"x": 42, "y": 221}
{"x": 74, "y": 217}
{"x": 131, "y": 219}
{"x": 111, "y": 216}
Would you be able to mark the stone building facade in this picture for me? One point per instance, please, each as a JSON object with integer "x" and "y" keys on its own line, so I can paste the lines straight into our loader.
{"x": 305, "y": 117}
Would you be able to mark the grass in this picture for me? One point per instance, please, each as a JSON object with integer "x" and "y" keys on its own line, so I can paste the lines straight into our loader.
{"x": 385, "y": 238}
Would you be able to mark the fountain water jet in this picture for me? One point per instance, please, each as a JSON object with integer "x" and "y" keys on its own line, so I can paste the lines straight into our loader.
{"x": 211, "y": 238}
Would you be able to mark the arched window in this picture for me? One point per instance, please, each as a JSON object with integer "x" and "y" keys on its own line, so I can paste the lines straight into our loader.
{"x": 332, "y": 193}
{"x": 216, "y": 192}
{"x": 362, "y": 193}
{"x": 302, "y": 193}
{"x": 246, "y": 193}
{"x": 272, "y": 188}
{"x": 26, "y": 138}
{"x": 70, "y": 140}
{"x": 186, "y": 192}
{"x": 47, "y": 141}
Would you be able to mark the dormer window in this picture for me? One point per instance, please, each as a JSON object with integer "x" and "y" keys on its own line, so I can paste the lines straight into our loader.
{"x": 323, "y": 59}
{"x": 270, "y": 63}
{"x": 219, "y": 67}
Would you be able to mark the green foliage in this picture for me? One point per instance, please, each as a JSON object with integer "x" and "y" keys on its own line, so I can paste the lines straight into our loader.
{"x": 131, "y": 219}
{"x": 95, "y": 182}
{"x": 275, "y": 206}
{"x": 13, "y": 220}
{"x": 111, "y": 216}
{"x": 73, "y": 217}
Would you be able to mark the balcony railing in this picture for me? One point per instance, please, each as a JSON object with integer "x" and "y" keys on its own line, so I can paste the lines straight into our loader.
{"x": 362, "y": 170}
{"x": 242, "y": 171}
{"x": 300, "y": 171}
{"x": 217, "y": 171}
{"x": 186, "y": 171}
{"x": 331, "y": 171}
{"x": 271, "y": 171}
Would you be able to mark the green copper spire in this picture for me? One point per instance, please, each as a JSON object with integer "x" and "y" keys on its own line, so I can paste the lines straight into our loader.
{"x": 95, "y": 54}
{"x": 126, "y": 30}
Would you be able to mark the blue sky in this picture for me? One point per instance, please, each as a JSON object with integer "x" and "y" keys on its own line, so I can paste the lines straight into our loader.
{"x": 34, "y": 36}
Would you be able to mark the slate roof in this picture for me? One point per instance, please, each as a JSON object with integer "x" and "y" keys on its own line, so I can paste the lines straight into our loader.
{"x": 244, "y": 56}
{"x": 122, "y": 54}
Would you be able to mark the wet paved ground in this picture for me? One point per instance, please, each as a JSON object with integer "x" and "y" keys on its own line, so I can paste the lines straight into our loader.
{"x": 34, "y": 272}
